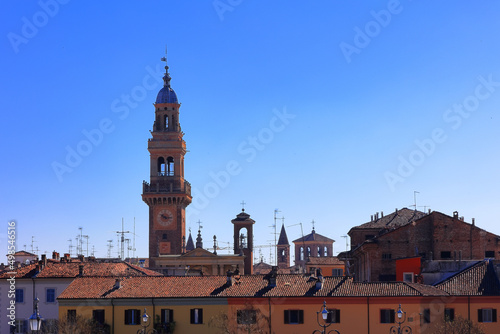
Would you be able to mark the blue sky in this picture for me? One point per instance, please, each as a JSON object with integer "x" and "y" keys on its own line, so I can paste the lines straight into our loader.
{"x": 331, "y": 110}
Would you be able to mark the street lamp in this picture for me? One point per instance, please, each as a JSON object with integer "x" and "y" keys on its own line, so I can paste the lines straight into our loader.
{"x": 324, "y": 323}
{"x": 401, "y": 319}
{"x": 145, "y": 322}
{"x": 35, "y": 320}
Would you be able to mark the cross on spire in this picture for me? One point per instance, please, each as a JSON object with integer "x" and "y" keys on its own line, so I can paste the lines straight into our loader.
{"x": 313, "y": 222}
{"x": 243, "y": 205}
{"x": 199, "y": 225}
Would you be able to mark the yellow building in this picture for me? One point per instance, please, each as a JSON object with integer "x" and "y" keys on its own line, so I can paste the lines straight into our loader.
{"x": 288, "y": 304}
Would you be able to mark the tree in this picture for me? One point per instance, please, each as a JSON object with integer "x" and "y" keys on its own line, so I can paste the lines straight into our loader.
{"x": 246, "y": 320}
{"x": 459, "y": 326}
{"x": 78, "y": 325}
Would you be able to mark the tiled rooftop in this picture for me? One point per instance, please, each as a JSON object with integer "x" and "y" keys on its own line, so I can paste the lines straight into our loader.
{"x": 396, "y": 219}
{"x": 478, "y": 280}
{"x": 243, "y": 286}
{"x": 56, "y": 269}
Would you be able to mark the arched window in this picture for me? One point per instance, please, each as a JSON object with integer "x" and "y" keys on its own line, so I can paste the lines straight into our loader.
{"x": 170, "y": 166}
{"x": 161, "y": 166}
{"x": 283, "y": 255}
{"x": 301, "y": 253}
{"x": 166, "y": 122}
{"x": 308, "y": 251}
{"x": 319, "y": 251}
{"x": 326, "y": 251}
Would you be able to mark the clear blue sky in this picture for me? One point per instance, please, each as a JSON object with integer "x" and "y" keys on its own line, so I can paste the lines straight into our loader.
{"x": 383, "y": 99}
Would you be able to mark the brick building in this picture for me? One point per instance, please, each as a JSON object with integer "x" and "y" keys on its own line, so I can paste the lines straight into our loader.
{"x": 438, "y": 239}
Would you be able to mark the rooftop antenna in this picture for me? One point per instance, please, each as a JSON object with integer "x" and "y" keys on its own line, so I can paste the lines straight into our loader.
{"x": 32, "y": 244}
{"x": 133, "y": 245}
{"x": 122, "y": 240}
{"x": 345, "y": 236}
{"x": 110, "y": 247}
{"x": 93, "y": 250}
{"x": 276, "y": 211}
{"x": 70, "y": 246}
{"x": 79, "y": 245}
{"x": 86, "y": 237}
{"x": 415, "y": 199}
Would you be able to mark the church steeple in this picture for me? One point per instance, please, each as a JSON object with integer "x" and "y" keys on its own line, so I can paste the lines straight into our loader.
{"x": 167, "y": 194}
{"x": 283, "y": 248}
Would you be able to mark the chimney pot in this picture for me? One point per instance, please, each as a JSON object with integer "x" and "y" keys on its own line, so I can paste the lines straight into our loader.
{"x": 80, "y": 270}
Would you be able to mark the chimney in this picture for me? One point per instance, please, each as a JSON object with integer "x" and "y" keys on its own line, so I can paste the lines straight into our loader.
{"x": 429, "y": 211}
{"x": 67, "y": 257}
{"x": 271, "y": 277}
{"x": 319, "y": 279}
{"x": 473, "y": 222}
{"x": 229, "y": 278}
{"x": 118, "y": 283}
{"x": 382, "y": 214}
{"x": 455, "y": 214}
{"x": 371, "y": 218}
{"x": 81, "y": 258}
{"x": 80, "y": 270}
{"x": 44, "y": 260}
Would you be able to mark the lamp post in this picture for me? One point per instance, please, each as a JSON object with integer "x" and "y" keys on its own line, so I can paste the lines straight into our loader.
{"x": 145, "y": 322}
{"x": 401, "y": 319}
{"x": 35, "y": 320}
{"x": 324, "y": 323}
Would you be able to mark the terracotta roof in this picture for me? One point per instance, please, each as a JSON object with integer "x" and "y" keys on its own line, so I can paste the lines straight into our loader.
{"x": 72, "y": 269}
{"x": 24, "y": 253}
{"x": 313, "y": 236}
{"x": 479, "y": 279}
{"x": 394, "y": 220}
{"x": 243, "y": 286}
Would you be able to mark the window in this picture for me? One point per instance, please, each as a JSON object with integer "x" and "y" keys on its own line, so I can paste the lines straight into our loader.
{"x": 246, "y": 317}
{"x": 166, "y": 122}
{"x": 427, "y": 316}
{"x": 369, "y": 236}
{"x": 446, "y": 255}
{"x": 21, "y": 326}
{"x": 386, "y": 316}
{"x": 71, "y": 315}
{"x": 294, "y": 317}
{"x": 408, "y": 277}
{"x": 308, "y": 252}
{"x": 197, "y": 316}
{"x": 449, "y": 314}
{"x": 326, "y": 250}
{"x": 337, "y": 272}
{"x": 98, "y": 316}
{"x": 167, "y": 316}
{"x": 19, "y": 295}
{"x": 301, "y": 253}
{"x": 50, "y": 295}
{"x": 333, "y": 317}
{"x": 132, "y": 317}
{"x": 170, "y": 166}
{"x": 319, "y": 251}
{"x": 386, "y": 256}
{"x": 161, "y": 166}
{"x": 487, "y": 315}
{"x": 489, "y": 254}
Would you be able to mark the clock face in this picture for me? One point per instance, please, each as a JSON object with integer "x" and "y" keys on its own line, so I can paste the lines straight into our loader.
{"x": 165, "y": 217}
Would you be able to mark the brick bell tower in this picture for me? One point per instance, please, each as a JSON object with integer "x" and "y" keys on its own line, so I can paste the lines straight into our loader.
{"x": 167, "y": 194}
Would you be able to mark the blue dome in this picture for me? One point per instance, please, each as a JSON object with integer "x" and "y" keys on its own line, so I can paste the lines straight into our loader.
{"x": 166, "y": 95}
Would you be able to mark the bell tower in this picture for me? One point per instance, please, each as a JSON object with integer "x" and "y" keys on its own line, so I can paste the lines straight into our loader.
{"x": 167, "y": 193}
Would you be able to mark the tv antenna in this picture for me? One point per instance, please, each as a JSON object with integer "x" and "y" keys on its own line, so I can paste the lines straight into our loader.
{"x": 122, "y": 240}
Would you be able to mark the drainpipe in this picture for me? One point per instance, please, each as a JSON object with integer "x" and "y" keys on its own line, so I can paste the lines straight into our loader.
{"x": 154, "y": 314}
{"x": 112, "y": 316}
{"x": 270, "y": 316}
{"x": 368, "y": 310}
